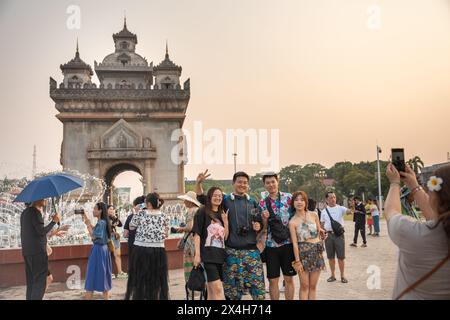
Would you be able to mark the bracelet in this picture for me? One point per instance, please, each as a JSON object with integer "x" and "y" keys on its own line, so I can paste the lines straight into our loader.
{"x": 415, "y": 190}
{"x": 396, "y": 183}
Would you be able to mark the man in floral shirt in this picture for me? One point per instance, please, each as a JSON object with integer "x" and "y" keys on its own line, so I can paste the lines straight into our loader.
{"x": 279, "y": 255}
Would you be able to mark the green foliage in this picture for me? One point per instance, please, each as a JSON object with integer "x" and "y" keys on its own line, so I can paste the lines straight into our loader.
{"x": 349, "y": 179}
{"x": 416, "y": 164}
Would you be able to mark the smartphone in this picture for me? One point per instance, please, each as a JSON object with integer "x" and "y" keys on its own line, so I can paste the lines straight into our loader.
{"x": 398, "y": 159}
{"x": 79, "y": 211}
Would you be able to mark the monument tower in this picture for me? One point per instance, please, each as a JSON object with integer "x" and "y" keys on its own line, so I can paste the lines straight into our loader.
{"x": 126, "y": 122}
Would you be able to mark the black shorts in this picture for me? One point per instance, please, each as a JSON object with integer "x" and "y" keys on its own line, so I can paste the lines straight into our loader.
{"x": 214, "y": 271}
{"x": 280, "y": 257}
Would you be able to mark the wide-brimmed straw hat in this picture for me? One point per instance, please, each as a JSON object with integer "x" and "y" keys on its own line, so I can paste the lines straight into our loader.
{"x": 190, "y": 196}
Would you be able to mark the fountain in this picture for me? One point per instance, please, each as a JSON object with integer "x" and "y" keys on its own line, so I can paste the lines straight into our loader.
{"x": 84, "y": 198}
{"x": 74, "y": 247}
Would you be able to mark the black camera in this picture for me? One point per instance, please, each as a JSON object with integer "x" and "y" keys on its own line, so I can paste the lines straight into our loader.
{"x": 243, "y": 231}
{"x": 79, "y": 211}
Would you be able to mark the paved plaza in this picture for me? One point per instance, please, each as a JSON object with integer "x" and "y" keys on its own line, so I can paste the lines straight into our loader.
{"x": 362, "y": 264}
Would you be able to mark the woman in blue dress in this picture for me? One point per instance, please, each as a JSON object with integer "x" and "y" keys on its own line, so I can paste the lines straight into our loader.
{"x": 99, "y": 267}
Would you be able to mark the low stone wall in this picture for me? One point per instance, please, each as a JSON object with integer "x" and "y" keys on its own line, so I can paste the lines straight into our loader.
{"x": 12, "y": 268}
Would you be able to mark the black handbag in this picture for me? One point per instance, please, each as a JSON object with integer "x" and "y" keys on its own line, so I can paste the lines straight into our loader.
{"x": 337, "y": 228}
{"x": 197, "y": 282}
{"x": 278, "y": 230}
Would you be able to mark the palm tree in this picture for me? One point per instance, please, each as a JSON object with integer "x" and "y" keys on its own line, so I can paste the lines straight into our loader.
{"x": 416, "y": 164}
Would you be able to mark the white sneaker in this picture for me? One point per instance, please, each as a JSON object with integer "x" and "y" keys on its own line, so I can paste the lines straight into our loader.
{"x": 122, "y": 275}
{"x": 283, "y": 288}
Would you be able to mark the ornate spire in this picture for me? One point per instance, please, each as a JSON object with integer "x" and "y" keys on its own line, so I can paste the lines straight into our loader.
{"x": 167, "y": 64}
{"x": 124, "y": 19}
{"x": 125, "y": 33}
{"x": 76, "y": 63}
{"x": 167, "y": 50}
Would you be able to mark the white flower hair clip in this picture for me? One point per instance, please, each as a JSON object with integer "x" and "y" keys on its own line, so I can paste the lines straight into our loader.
{"x": 435, "y": 183}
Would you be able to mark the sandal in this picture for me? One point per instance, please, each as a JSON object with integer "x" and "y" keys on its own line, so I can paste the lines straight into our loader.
{"x": 343, "y": 280}
{"x": 331, "y": 279}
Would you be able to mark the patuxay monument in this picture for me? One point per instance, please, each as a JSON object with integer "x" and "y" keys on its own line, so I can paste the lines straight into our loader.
{"x": 126, "y": 122}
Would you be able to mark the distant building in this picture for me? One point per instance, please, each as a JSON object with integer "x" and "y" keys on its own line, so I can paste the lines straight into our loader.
{"x": 328, "y": 182}
{"x": 427, "y": 172}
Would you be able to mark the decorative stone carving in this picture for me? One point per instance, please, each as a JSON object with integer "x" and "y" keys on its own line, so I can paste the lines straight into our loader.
{"x": 147, "y": 143}
{"x": 121, "y": 135}
{"x": 187, "y": 84}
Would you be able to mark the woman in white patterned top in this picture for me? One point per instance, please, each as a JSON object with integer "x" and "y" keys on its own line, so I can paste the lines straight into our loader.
{"x": 148, "y": 270}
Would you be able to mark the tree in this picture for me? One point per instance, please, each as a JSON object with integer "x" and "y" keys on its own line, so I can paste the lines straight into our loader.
{"x": 416, "y": 164}
{"x": 291, "y": 178}
{"x": 256, "y": 186}
{"x": 314, "y": 188}
{"x": 357, "y": 180}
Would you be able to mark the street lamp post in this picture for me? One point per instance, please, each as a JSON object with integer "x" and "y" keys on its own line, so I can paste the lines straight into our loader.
{"x": 380, "y": 197}
{"x": 234, "y": 155}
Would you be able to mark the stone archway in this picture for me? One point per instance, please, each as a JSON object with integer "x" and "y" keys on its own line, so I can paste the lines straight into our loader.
{"x": 113, "y": 172}
{"x": 124, "y": 122}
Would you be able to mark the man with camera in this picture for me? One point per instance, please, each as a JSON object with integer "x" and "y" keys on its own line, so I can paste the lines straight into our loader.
{"x": 243, "y": 269}
{"x": 279, "y": 252}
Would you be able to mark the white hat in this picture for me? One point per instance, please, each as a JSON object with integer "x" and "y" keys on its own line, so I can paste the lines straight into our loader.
{"x": 190, "y": 196}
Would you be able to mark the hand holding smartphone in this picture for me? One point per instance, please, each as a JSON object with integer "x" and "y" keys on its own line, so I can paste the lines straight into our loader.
{"x": 398, "y": 159}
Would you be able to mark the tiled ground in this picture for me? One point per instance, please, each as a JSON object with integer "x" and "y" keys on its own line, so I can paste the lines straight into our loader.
{"x": 361, "y": 263}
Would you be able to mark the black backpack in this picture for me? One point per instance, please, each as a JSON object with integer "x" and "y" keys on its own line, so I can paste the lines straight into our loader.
{"x": 197, "y": 282}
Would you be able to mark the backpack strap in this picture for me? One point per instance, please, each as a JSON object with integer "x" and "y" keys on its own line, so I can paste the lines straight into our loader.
{"x": 425, "y": 277}
{"x": 187, "y": 291}
{"x": 269, "y": 207}
{"x": 331, "y": 218}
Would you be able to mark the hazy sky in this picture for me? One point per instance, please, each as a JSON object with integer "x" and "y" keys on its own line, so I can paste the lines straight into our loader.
{"x": 323, "y": 72}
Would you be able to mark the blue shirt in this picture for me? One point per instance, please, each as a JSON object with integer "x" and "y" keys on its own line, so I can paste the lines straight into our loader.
{"x": 99, "y": 233}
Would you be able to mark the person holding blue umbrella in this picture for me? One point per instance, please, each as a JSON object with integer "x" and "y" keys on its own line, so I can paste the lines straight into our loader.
{"x": 33, "y": 233}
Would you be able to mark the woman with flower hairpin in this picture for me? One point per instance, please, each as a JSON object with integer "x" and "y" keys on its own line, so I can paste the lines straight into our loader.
{"x": 424, "y": 247}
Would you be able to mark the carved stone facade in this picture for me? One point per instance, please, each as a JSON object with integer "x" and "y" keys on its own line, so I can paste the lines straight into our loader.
{"x": 126, "y": 122}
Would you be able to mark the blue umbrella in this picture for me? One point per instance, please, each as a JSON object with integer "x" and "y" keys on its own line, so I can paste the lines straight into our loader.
{"x": 52, "y": 185}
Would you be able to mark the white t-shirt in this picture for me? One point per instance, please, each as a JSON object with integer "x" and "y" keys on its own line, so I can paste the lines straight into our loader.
{"x": 420, "y": 250}
{"x": 337, "y": 213}
{"x": 375, "y": 211}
